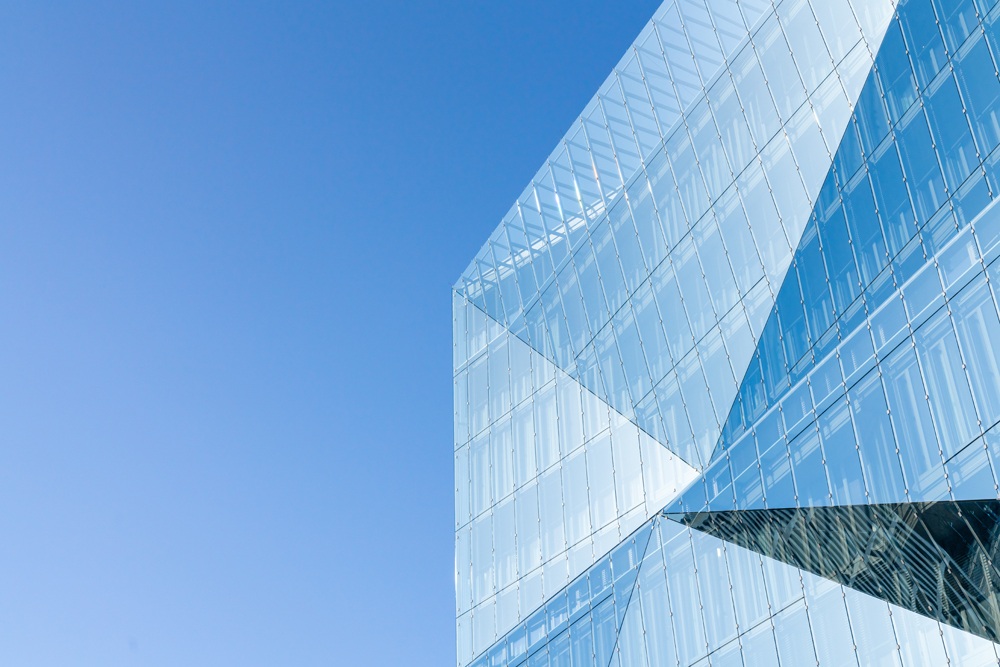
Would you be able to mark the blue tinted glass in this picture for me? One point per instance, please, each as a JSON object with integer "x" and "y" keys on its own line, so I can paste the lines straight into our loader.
{"x": 668, "y": 204}
{"x": 873, "y": 123}
{"x": 991, "y": 26}
{"x": 637, "y": 374}
{"x": 684, "y": 595}
{"x": 605, "y": 631}
{"x": 970, "y": 474}
{"x": 716, "y": 592}
{"x": 576, "y": 315}
{"x": 957, "y": 18}
{"x": 776, "y": 471}
{"x": 947, "y": 387}
{"x": 848, "y": 157}
{"x": 980, "y": 87}
{"x": 866, "y": 234}
{"x": 689, "y": 182}
{"x": 938, "y": 231}
{"x": 810, "y": 473}
{"x": 582, "y": 643}
{"x": 609, "y": 267}
{"x": 627, "y": 244}
{"x": 708, "y": 147}
{"x": 691, "y": 282}
{"x": 876, "y": 441}
{"x": 557, "y": 614}
{"x": 923, "y": 176}
{"x": 612, "y": 373}
{"x": 668, "y": 299}
{"x": 814, "y": 283}
{"x": 715, "y": 264}
{"x": 971, "y": 198}
{"x": 556, "y": 323}
{"x": 590, "y": 288}
{"x": 732, "y": 123}
{"x": 751, "y": 398}
{"x": 894, "y": 71}
{"x": 923, "y": 39}
{"x": 846, "y": 478}
{"x": 772, "y": 359}
{"x": 978, "y": 327}
{"x": 719, "y": 480}
{"x": 647, "y": 224}
{"x": 843, "y": 271}
{"x": 654, "y": 343}
{"x": 761, "y": 115}
{"x": 914, "y": 428}
{"x": 951, "y": 131}
{"x": 791, "y": 317}
{"x": 892, "y": 200}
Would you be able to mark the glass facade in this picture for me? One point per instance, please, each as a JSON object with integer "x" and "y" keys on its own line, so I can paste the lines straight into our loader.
{"x": 727, "y": 375}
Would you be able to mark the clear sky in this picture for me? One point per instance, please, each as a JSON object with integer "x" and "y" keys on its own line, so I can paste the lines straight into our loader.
{"x": 227, "y": 238}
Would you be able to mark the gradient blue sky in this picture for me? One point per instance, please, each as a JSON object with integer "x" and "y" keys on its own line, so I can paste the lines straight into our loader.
{"x": 227, "y": 237}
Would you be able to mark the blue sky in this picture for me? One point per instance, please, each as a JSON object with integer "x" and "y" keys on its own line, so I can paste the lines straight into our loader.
{"x": 227, "y": 238}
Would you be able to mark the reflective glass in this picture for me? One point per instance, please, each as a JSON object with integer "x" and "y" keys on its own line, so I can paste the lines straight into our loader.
{"x": 758, "y": 254}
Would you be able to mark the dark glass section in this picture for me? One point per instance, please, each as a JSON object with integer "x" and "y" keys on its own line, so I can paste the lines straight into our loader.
{"x": 936, "y": 559}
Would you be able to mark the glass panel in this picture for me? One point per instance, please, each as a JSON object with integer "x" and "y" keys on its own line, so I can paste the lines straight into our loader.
{"x": 690, "y": 633}
{"x": 761, "y": 114}
{"x": 791, "y": 633}
{"x": 877, "y": 444}
{"x": 759, "y": 647}
{"x": 715, "y": 587}
{"x": 911, "y": 418}
{"x": 830, "y": 624}
{"x": 975, "y": 316}
{"x": 779, "y": 68}
{"x": 947, "y": 388}
{"x": 842, "y": 459}
{"x": 871, "y": 626}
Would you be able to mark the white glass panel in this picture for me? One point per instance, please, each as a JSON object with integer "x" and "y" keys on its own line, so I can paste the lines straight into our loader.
{"x": 462, "y": 506}
{"x": 501, "y": 453}
{"x": 836, "y": 21}
{"x": 505, "y": 543}
{"x": 546, "y": 427}
{"x": 872, "y": 629}
{"x": 483, "y": 579}
{"x": 576, "y": 497}
{"x": 805, "y": 41}
{"x": 480, "y": 469}
{"x": 463, "y": 568}
{"x": 968, "y": 650}
{"x": 523, "y": 425}
{"x": 529, "y": 550}
{"x": 628, "y": 468}
{"x": 920, "y": 641}
{"x": 759, "y": 649}
{"x": 570, "y": 414}
{"x": 603, "y": 508}
{"x": 550, "y": 510}
{"x": 830, "y": 624}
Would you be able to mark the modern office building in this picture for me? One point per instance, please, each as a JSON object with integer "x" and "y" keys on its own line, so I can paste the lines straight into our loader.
{"x": 728, "y": 372}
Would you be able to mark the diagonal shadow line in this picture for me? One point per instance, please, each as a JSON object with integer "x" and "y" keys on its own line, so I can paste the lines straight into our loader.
{"x": 631, "y": 593}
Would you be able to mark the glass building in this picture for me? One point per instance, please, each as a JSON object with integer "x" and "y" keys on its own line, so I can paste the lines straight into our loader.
{"x": 727, "y": 374}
